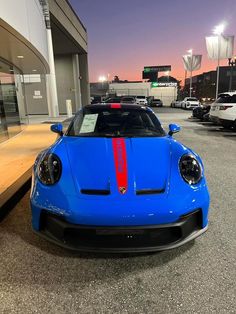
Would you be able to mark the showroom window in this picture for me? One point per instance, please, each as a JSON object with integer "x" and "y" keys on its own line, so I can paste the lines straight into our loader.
{"x": 12, "y": 106}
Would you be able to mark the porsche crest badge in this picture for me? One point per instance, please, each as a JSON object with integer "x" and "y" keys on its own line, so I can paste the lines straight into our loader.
{"x": 122, "y": 189}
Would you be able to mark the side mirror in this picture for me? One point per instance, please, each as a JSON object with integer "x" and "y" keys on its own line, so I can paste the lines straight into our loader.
{"x": 174, "y": 128}
{"x": 57, "y": 128}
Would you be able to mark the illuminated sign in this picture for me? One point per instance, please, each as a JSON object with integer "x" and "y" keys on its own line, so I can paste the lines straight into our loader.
{"x": 157, "y": 68}
{"x": 163, "y": 84}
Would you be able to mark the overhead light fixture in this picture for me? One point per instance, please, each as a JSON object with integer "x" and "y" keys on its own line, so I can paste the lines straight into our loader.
{"x": 20, "y": 57}
{"x": 34, "y": 70}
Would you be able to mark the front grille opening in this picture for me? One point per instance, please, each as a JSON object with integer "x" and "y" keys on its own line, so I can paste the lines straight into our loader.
{"x": 79, "y": 236}
{"x": 121, "y": 237}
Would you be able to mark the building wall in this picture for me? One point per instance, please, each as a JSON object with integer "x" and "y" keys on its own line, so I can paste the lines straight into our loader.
{"x": 84, "y": 79}
{"x": 204, "y": 85}
{"x": 26, "y": 17}
{"x": 35, "y": 94}
{"x": 65, "y": 15}
{"x": 65, "y": 82}
{"x": 166, "y": 94}
{"x": 26, "y": 35}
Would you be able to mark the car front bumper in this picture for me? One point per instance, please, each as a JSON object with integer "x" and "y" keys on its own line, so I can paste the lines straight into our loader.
{"x": 121, "y": 239}
{"x": 227, "y": 123}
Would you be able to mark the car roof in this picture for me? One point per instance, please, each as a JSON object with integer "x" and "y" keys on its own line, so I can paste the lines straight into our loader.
{"x": 227, "y": 93}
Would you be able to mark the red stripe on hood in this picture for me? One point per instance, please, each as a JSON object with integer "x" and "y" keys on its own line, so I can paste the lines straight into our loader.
{"x": 120, "y": 159}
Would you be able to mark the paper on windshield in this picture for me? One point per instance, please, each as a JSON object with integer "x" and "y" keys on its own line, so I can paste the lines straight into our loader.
{"x": 89, "y": 123}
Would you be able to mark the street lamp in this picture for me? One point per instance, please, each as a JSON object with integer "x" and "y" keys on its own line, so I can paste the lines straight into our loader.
{"x": 102, "y": 78}
{"x": 218, "y": 30}
{"x": 190, "y": 51}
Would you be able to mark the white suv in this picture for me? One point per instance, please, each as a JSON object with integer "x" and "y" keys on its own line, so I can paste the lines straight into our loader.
{"x": 141, "y": 100}
{"x": 223, "y": 111}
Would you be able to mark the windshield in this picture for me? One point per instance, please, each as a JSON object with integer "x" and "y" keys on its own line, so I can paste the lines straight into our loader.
{"x": 192, "y": 99}
{"x": 127, "y": 99}
{"x": 141, "y": 97}
{"x": 106, "y": 122}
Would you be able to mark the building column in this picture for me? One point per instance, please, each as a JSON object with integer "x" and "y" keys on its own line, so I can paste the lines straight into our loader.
{"x": 76, "y": 75}
{"x": 84, "y": 81}
{"x": 50, "y": 78}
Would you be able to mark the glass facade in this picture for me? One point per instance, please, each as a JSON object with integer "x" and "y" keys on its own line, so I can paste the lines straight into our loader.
{"x": 12, "y": 105}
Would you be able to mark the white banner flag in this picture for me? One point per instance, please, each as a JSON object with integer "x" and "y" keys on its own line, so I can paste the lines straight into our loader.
{"x": 192, "y": 62}
{"x": 221, "y": 47}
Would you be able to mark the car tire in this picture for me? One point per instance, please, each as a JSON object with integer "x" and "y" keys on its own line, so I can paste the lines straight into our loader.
{"x": 226, "y": 125}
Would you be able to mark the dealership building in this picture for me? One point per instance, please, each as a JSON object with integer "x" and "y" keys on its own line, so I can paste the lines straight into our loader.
{"x": 43, "y": 61}
{"x": 166, "y": 91}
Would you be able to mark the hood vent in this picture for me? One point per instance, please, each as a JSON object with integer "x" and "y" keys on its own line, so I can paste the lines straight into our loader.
{"x": 150, "y": 191}
{"x": 95, "y": 192}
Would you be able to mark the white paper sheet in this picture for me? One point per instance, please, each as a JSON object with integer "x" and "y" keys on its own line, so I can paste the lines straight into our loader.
{"x": 89, "y": 123}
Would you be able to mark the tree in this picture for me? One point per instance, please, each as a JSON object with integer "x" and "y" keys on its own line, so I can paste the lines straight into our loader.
{"x": 116, "y": 79}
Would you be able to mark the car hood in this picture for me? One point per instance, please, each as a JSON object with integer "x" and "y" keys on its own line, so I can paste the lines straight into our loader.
{"x": 109, "y": 164}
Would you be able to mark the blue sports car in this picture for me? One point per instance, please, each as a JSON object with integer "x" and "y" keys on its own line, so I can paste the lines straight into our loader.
{"x": 116, "y": 181}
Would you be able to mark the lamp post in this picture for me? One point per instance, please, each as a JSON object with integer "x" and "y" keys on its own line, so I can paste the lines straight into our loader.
{"x": 167, "y": 73}
{"x": 102, "y": 79}
{"x": 190, "y": 51}
{"x": 218, "y": 30}
{"x": 232, "y": 64}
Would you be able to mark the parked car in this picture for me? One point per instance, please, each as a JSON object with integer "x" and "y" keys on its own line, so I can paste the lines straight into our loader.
{"x": 213, "y": 114}
{"x": 172, "y": 104}
{"x": 149, "y": 100}
{"x": 200, "y": 111}
{"x": 223, "y": 111}
{"x": 128, "y": 100}
{"x": 112, "y": 100}
{"x": 96, "y": 99}
{"x": 190, "y": 103}
{"x": 157, "y": 103}
{"x": 100, "y": 186}
{"x": 141, "y": 100}
{"x": 206, "y": 117}
{"x": 176, "y": 104}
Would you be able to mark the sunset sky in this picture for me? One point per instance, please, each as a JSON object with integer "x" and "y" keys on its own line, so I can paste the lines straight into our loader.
{"x": 126, "y": 35}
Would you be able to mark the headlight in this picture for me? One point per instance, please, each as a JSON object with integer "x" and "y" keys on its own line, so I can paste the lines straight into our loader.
{"x": 49, "y": 169}
{"x": 190, "y": 169}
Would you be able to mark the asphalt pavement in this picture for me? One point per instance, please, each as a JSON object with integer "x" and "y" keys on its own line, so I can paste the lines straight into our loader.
{"x": 199, "y": 277}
